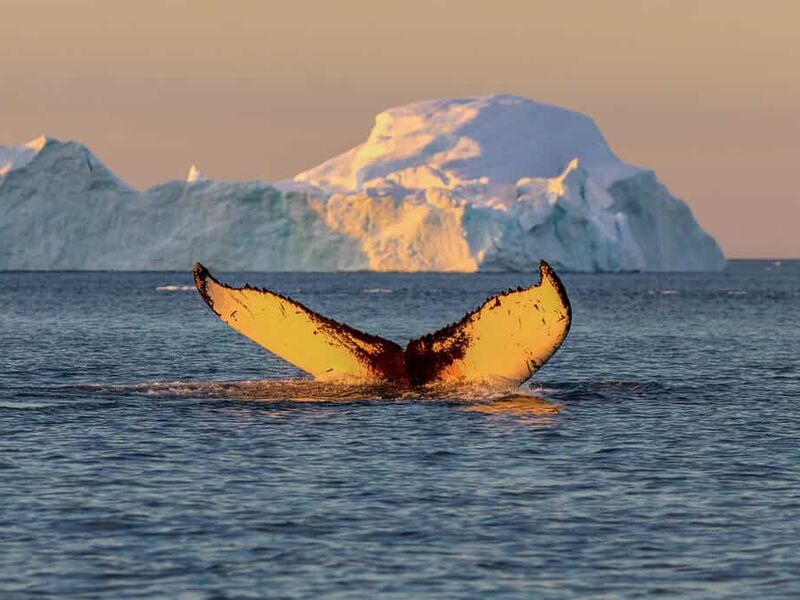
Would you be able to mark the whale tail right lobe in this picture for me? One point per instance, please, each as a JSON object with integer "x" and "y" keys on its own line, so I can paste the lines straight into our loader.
{"x": 506, "y": 340}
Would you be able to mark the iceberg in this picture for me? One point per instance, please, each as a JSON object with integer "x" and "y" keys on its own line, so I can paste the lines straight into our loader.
{"x": 495, "y": 183}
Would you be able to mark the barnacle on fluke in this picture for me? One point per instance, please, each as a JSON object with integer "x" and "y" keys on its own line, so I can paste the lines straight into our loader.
{"x": 506, "y": 340}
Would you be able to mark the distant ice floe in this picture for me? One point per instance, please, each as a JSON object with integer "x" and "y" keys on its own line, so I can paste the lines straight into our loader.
{"x": 175, "y": 288}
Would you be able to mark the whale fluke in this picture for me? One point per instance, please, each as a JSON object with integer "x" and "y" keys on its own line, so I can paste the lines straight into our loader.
{"x": 328, "y": 350}
{"x": 505, "y": 340}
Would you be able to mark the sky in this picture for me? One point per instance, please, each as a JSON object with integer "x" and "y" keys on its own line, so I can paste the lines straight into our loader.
{"x": 705, "y": 92}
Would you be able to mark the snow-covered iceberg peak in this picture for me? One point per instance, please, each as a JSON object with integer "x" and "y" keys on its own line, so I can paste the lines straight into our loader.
{"x": 37, "y": 144}
{"x": 16, "y": 157}
{"x": 195, "y": 175}
{"x": 43, "y": 160}
{"x": 491, "y": 140}
{"x": 498, "y": 182}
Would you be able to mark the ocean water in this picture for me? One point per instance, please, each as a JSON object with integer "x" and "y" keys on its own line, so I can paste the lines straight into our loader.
{"x": 147, "y": 450}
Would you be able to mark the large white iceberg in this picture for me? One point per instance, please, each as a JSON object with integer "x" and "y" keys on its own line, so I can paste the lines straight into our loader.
{"x": 492, "y": 183}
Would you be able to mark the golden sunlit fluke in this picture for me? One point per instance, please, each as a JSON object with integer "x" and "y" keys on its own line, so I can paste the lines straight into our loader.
{"x": 504, "y": 341}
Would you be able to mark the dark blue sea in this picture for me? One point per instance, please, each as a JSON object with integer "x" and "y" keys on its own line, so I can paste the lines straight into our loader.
{"x": 148, "y": 450}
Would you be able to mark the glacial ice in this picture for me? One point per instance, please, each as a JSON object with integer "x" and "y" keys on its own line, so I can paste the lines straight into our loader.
{"x": 493, "y": 183}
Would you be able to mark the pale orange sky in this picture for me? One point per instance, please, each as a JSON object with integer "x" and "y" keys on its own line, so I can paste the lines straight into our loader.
{"x": 706, "y": 93}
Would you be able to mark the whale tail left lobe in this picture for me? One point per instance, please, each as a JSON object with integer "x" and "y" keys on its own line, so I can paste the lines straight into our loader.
{"x": 328, "y": 350}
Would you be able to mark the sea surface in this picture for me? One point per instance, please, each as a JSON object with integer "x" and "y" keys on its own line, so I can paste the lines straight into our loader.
{"x": 148, "y": 450}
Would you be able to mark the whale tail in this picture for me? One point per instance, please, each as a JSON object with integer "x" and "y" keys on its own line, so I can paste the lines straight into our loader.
{"x": 506, "y": 340}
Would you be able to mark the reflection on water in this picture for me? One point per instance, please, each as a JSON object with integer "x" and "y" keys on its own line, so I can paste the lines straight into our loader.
{"x": 521, "y": 403}
{"x": 516, "y": 406}
{"x": 475, "y": 397}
